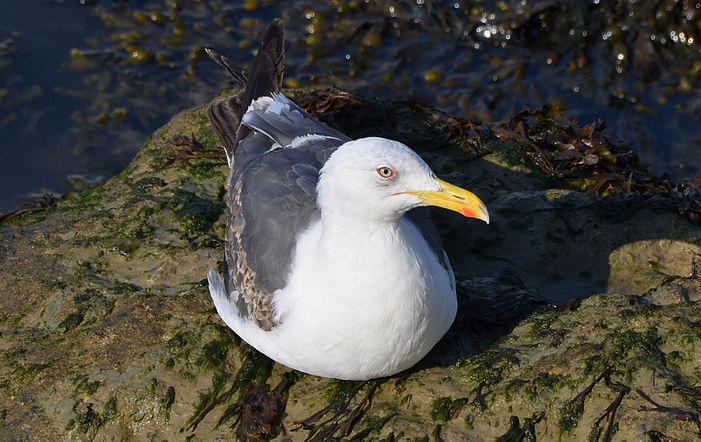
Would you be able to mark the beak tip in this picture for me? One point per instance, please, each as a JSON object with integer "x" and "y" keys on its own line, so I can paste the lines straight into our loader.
{"x": 478, "y": 211}
{"x": 454, "y": 198}
{"x": 485, "y": 214}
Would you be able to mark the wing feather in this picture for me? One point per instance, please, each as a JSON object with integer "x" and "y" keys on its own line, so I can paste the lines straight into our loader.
{"x": 283, "y": 120}
{"x": 271, "y": 191}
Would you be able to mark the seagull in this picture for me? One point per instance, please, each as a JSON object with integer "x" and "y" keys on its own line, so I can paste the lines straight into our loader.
{"x": 332, "y": 264}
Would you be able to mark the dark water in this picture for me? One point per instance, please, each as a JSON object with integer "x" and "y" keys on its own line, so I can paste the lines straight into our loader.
{"x": 82, "y": 83}
{"x": 35, "y": 123}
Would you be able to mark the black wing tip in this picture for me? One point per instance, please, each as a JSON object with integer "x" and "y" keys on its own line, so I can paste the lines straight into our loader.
{"x": 216, "y": 56}
{"x": 275, "y": 33}
{"x": 264, "y": 78}
{"x": 237, "y": 72}
{"x": 273, "y": 45}
{"x": 276, "y": 29}
{"x": 267, "y": 69}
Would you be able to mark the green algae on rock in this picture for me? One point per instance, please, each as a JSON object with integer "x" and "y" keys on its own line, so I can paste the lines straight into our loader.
{"x": 108, "y": 330}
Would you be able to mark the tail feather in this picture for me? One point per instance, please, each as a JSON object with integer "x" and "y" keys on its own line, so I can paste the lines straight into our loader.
{"x": 264, "y": 79}
{"x": 223, "y": 302}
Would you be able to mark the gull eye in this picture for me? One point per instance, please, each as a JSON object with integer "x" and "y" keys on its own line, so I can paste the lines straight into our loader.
{"x": 385, "y": 172}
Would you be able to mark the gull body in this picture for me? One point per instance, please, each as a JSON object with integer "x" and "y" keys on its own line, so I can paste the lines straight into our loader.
{"x": 333, "y": 266}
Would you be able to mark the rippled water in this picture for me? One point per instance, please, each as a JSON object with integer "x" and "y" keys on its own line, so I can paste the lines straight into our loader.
{"x": 82, "y": 83}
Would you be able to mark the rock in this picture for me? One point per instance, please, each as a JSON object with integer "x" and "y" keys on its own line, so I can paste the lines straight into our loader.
{"x": 107, "y": 330}
{"x": 647, "y": 264}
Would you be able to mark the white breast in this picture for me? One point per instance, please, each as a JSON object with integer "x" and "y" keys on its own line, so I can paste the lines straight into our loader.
{"x": 379, "y": 318}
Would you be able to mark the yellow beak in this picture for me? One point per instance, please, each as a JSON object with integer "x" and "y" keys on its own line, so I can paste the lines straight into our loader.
{"x": 454, "y": 198}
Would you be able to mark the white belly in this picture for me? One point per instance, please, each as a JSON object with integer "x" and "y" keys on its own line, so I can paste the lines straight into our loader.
{"x": 378, "y": 319}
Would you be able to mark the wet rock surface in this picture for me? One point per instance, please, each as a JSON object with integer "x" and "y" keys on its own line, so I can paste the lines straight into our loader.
{"x": 578, "y": 309}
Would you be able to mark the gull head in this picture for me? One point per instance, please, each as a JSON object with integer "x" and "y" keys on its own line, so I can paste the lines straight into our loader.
{"x": 380, "y": 180}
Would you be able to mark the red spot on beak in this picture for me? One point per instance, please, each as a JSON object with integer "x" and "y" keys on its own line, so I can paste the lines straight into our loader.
{"x": 466, "y": 211}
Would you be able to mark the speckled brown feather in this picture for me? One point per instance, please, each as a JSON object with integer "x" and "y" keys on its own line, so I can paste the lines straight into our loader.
{"x": 225, "y": 116}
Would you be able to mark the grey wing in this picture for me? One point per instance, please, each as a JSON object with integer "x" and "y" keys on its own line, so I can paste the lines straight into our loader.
{"x": 271, "y": 201}
{"x": 272, "y": 192}
{"x": 272, "y": 198}
{"x": 284, "y": 121}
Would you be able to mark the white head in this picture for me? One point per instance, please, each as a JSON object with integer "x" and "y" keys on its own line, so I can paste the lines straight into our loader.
{"x": 380, "y": 179}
